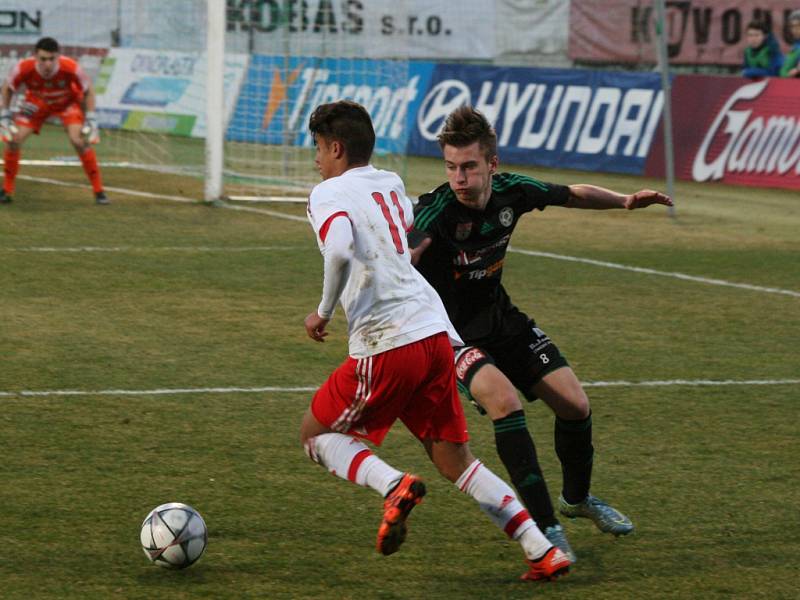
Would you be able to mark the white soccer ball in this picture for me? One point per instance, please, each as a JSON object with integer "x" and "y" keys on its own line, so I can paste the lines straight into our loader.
{"x": 173, "y": 535}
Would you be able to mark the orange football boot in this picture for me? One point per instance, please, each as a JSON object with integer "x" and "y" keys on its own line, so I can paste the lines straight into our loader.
{"x": 552, "y": 565}
{"x": 396, "y": 508}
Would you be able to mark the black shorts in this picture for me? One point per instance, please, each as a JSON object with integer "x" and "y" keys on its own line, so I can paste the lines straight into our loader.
{"x": 524, "y": 358}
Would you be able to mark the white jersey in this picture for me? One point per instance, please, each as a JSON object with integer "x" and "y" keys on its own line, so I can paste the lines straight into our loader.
{"x": 387, "y": 302}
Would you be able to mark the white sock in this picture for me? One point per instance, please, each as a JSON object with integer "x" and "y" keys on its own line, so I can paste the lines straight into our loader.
{"x": 499, "y": 502}
{"x": 349, "y": 458}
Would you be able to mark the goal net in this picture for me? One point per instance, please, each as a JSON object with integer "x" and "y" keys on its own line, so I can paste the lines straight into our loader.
{"x": 149, "y": 61}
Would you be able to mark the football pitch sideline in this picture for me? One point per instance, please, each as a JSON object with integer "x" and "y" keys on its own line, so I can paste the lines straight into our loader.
{"x": 153, "y": 351}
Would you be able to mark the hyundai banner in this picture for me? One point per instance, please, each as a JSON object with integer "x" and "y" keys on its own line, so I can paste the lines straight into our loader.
{"x": 580, "y": 119}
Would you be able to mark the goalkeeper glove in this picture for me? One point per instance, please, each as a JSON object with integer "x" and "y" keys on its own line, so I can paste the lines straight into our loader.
{"x": 90, "y": 131}
{"x": 7, "y": 127}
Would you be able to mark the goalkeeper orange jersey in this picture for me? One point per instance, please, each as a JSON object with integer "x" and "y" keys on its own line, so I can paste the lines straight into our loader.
{"x": 66, "y": 85}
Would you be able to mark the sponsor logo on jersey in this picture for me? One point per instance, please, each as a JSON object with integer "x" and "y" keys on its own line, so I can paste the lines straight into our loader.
{"x": 506, "y": 216}
{"x": 462, "y": 231}
{"x": 463, "y": 259}
{"x": 466, "y": 360}
{"x": 481, "y": 273}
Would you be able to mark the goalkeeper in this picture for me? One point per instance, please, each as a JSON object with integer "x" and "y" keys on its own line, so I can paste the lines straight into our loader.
{"x": 54, "y": 85}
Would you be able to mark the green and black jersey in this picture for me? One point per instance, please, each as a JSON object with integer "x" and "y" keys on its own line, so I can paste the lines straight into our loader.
{"x": 464, "y": 262}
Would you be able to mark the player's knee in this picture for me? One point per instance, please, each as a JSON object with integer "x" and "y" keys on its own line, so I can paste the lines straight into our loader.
{"x": 500, "y": 403}
{"x": 576, "y": 407}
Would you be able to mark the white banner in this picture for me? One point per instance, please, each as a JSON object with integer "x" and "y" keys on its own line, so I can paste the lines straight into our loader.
{"x": 358, "y": 28}
{"x": 76, "y": 22}
{"x": 162, "y": 91}
{"x": 417, "y": 29}
{"x": 534, "y": 27}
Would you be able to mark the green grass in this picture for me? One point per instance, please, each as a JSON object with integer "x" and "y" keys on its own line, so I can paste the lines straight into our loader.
{"x": 708, "y": 474}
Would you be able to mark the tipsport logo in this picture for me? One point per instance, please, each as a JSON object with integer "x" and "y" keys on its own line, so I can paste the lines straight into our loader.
{"x": 302, "y": 89}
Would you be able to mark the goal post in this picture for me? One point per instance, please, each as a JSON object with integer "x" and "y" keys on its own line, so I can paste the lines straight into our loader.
{"x": 215, "y": 98}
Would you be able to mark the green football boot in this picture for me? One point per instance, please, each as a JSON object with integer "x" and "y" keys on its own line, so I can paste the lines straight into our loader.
{"x": 607, "y": 518}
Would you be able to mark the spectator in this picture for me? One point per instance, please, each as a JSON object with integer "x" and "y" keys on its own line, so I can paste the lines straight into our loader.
{"x": 791, "y": 65}
{"x": 762, "y": 57}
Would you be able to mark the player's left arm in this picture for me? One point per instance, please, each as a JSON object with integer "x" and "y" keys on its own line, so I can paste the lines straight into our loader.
{"x": 594, "y": 197}
{"x": 90, "y": 129}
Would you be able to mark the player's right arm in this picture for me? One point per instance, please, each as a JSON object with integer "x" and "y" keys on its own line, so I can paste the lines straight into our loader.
{"x": 335, "y": 234}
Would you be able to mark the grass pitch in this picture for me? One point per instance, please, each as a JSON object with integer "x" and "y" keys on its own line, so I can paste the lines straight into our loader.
{"x": 147, "y": 294}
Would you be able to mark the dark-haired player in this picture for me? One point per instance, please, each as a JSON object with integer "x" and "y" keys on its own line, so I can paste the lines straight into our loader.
{"x": 54, "y": 85}
{"x": 461, "y": 232}
{"x": 400, "y": 363}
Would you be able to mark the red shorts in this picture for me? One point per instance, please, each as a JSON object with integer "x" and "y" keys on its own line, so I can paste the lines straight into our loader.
{"x": 34, "y": 112}
{"x": 415, "y": 383}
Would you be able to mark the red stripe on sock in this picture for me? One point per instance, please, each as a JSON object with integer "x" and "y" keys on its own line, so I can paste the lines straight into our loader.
{"x": 356, "y": 463}
{"x": 469, "y": 477}
{"x": 517, "y": 520}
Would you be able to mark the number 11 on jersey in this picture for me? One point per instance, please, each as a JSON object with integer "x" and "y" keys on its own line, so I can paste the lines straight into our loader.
{"x": 378, "y": 197}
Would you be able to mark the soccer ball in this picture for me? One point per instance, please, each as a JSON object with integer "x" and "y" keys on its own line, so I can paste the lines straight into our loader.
{"x": 173, "y": 535}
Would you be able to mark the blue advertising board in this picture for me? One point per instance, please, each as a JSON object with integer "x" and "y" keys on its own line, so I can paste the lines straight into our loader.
{"x": 573, "y": 118}
{"x": 279, "y": 93}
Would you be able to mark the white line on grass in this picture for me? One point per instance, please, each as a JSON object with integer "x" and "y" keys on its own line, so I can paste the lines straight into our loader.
{"x": 129, "y": 192}
{"x": 588, "y": 261}
{"x": 266, "y": 211}
{"x": 610, "y": 265}
{"x": 152, "y": 249}
{"x": 111, "y": 189}
{"x": 691, "y": 382}
{"x": 307, "y": 389}
{"x": 158, "y": 392}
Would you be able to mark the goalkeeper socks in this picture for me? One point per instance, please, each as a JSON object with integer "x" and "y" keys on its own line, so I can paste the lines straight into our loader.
{"x": 10, "y": 169}
{"x": 89, "y": 161}
{"x": 348, "y": 458}
{"x": 515, "y": 448}
{"x": 497, "y": 500}
{"x": 575, "y": 451}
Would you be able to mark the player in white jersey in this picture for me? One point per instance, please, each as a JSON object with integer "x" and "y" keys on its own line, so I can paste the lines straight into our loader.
{"x": 401, "y": 357}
